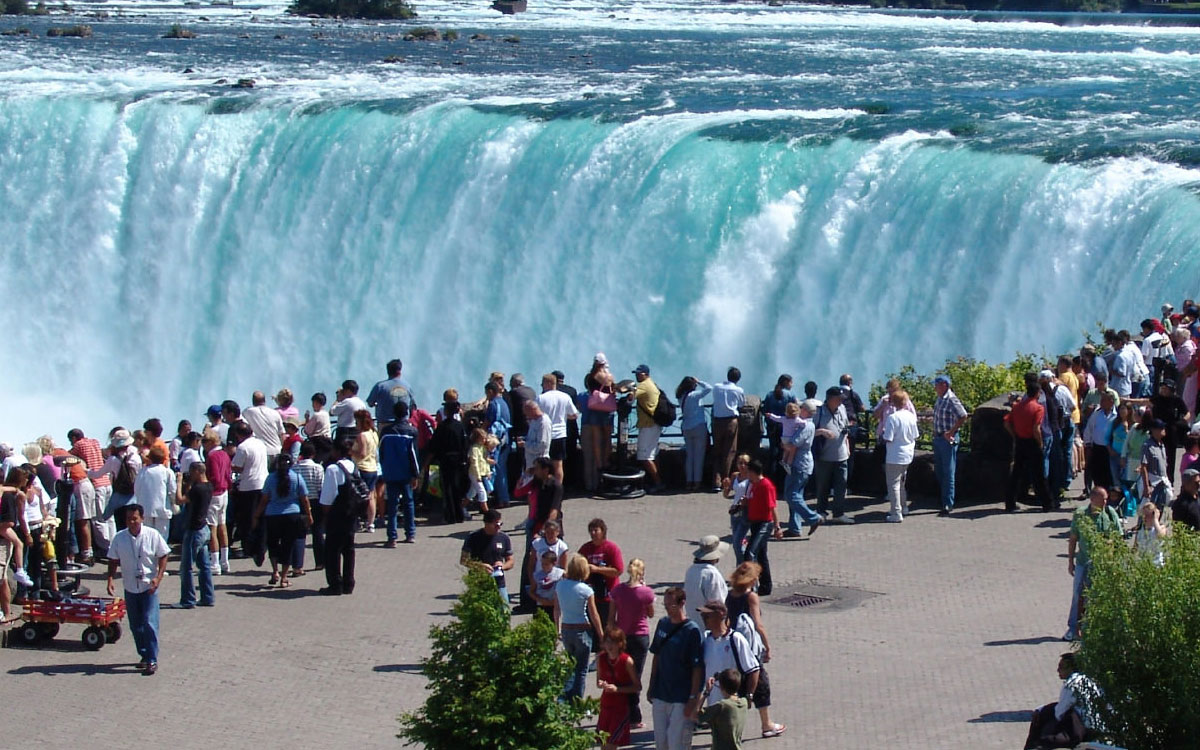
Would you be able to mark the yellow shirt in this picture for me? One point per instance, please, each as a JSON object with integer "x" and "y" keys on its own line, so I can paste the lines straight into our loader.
{"x": 646, "y": 395}
{"x": 370, "y": 448}
{"x": 1072, "y": 383}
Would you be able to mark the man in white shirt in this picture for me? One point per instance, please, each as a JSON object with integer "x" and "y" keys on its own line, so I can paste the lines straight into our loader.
{"x": 141, "y": 552}
{"x": 559, "y": 407}
{"x": 154, "y": 491}
{"x": 1064, "y": 724}
{"x": 728, "y": 398}
{"x": 266, "y": 424}
{"x": 725, "y": 648}
{"x": 250, "y": 464}
{"x": 347, "y": 403}
{"x": 537, "y": 440}
{"x": 703, "y": 581}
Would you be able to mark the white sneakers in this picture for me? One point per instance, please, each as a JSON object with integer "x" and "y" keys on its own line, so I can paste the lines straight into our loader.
{"x": 22, "y": 577}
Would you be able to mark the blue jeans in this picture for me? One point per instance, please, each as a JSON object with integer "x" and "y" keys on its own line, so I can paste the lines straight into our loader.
{"x": 1078, "y": 585}
{"x": 1048, "y": 459}
{"x": 142, "y": 613}
{"x": 1064, "y": 445}
{"x": 756, "y": 551}
{"x": 500, "y": 474}
{"x": 738, "y": 528}
{"x": 945, "y": 458}
{"x": 195, "y": 553}
{"x": 396, "y": 491}
{"x": 578, "y": 645}
{"x": 835, "y": 473}
{"x": 793, "y": 493}
{"x": 695, "y": 444}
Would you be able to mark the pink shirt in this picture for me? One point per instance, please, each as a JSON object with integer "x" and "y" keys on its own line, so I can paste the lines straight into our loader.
{"x": 631, "y": 602}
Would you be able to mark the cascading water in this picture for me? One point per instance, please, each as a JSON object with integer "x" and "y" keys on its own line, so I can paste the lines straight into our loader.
{"x": 680, "y": 184}
{"x": 162, "y": 257}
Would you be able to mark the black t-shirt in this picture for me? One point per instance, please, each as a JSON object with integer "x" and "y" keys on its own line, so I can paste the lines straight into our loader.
{"x": 1169, "y": 409}
{"x": 1186, "y": 510}
{"x": 196, "y": 512}
{"x": 8, "y": 507}
{"x": 549, "y": 497}
{"x": 489, "y": 549}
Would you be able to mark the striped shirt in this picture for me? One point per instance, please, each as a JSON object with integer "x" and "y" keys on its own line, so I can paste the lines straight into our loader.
{"x": 312, "y": 474}
{"x": 88, "y": 449}
{"x": 946, "y": 411}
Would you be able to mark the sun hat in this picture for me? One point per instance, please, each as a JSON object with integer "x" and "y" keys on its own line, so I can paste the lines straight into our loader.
{"x": 711, "y": 549}
{"x": 121, "y": 439}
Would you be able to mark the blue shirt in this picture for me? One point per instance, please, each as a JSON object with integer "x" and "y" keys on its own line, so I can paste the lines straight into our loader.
{"x": 499, "y": 417}
{"x": 572, "y": 599}
{"x": 727, "y": 399}
{"x": 289, "y": 503}
{"x": 386, "y": 394}
{"x": 777, "y": 405}
{"x": 693, "y": 411}
{"x": 803, "y": 440}
{"x": 677, "y": 656}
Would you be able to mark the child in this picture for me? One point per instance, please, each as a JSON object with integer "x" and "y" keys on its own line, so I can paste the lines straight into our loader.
{"x": 14, "y": 500}
{"x": 292, "y": 439}
{"x": 790, "y": 423}
{"x": 177, "y": 444}
{"x": 190, "y": 453}
{"x": 727, "y": 717}
{"x": 1149, "y": 533}
{"x": 316, "y": 422}
{"x": 1191, "y": 452}
{"x": 735, "y": 489}
{"x": 617, "y": 680}
{"x": 479, "y": 467}
{"x": 547, "y": 574}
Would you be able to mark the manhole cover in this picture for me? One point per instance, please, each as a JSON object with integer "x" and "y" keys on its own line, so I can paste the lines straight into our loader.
{"x": 812, "y": 596}
{"x": 801, "y": 600}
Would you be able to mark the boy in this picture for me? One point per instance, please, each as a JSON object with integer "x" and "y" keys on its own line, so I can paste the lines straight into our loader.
{"x": 544, "y": 578}
{"x": 727, "y": 717}
{"x": 195, "y": 501}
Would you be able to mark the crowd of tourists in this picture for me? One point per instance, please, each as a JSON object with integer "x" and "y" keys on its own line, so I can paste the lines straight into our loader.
{"x": 269, "y": 483}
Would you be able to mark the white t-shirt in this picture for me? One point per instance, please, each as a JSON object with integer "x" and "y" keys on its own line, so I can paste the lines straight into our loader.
{"x": 267, "y": 426}
{"x": 343, "y": 411}
{"x": 900, "y": 432}
{"x": 559, "y": 407}
{"x": 718, "y": 656}
{"x": 702, "y": 584}
{"x": 139, "y": 557}
{"x": 544, "y": 580}
{"x": 335, "y": 477}
{"x": 251, "y": 459}
{"x": 188, "y": 457}
{"x": 540, "y": 545}
{"x": 154, "y": 490}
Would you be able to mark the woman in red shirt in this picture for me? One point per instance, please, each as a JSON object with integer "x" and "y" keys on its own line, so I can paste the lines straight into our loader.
{"x": 760, "y": 511}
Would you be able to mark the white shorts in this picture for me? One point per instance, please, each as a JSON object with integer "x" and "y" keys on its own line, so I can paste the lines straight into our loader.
{"x": 85, "y": 509}
{"x": 647, "y": 442}
{"x": 6, "y": 551}
{"x": 216, "y": 509}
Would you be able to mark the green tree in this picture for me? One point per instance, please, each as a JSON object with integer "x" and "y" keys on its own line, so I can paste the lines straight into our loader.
{"x": 1141, "y": 642}
{"x": 492, "y": 686}
{"x": 373, "y": 9}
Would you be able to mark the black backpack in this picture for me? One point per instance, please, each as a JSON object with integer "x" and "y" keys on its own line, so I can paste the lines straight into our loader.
{"x": 123, "y": 480}
{"x": 664, "y": 413}
{"x": 352, "y": 496}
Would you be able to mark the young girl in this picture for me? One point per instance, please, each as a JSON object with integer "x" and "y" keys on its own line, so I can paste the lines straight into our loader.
{"x": 790, "y": 423}
{"x": 630, "y": 612}
{"x": 366, "y": 458}
{"x": 190, "y": 452}
{"x": 1131, "y": 454}
{"x": 735, "y": 489}
{"x": 549, "y": 541}
{"x": 1120, "y": 433}
{"x": 1149, "y": 533}
{"x": 617, "y": 680}
{"x": 13, "y": 492}
{"x": 479, "y": 467}
{"x": 1191, "y": 452}
{"x": 545, "y": 576}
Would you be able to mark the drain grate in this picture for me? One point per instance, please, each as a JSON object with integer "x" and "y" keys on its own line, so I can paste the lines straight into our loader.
{"x": 801, "y": 600}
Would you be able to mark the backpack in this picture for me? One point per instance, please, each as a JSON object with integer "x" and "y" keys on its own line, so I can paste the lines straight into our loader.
{"x": 352, "y": 495}
{"x": 745, "y": 626}
{"x": 664, "y": 413}
{"x": 124, "y": 478}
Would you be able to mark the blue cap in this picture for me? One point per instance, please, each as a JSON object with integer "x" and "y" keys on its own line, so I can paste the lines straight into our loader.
{"x": 942, "y": 379}
{"x": 641, "y": 370}
{"x": 214, "y": 410}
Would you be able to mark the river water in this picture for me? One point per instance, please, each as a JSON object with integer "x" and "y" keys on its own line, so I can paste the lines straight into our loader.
{"x": 689, "y": 184}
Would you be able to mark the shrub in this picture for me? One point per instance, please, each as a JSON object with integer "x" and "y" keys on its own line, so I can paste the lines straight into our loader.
{"x": 76, "y": 31}
{"x": 1139, "y": 634}
{"x": 374, "y": 9}
{"x": 178, "y": 31}
{"x": 492, "y": 686}
{"x": 14, "y": 7}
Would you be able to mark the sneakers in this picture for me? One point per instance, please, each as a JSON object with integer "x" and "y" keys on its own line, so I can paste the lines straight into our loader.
{"x": 390, "y": 544}
{"x": 894, "y": 519}
{"x": 225, "y": 568}
{"x": 216, "y": 570}
{"x": 812, "y": 527}
{"x": 774, "y": 731}
{"x": 22, "y": 577}
{"x": 1070, "y": 636}
{"x": 842, "y": 520}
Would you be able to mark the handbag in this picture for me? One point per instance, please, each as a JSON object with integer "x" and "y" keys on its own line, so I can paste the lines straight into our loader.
{"x": 599, "y": 400}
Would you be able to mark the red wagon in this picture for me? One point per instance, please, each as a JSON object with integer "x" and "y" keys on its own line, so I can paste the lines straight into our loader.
{"x": 102, "y": 617}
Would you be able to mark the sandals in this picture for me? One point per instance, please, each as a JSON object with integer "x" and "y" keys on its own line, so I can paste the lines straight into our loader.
{"x": 775, "y": 731}
{"x": 284, "y": 583}
{"x": 274, "y": 580}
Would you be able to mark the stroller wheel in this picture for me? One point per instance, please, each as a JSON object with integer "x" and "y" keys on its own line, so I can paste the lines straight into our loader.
{"x": 30, "y": 633}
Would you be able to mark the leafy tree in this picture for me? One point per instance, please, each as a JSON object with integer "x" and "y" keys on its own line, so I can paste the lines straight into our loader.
{"x": 374, "y": 9}
{"x": 492, "y": 687}
{"x": 1140, "y": 631}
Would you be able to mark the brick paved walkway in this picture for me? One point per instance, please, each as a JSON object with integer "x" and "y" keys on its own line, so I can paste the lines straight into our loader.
{"x": 959, "y": 644}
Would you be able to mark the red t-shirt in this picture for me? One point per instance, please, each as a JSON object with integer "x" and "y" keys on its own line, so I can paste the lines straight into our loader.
{"x": 218, "y": 466}
{"x": 1026, "y": 417}
{"x": 608, "y": 555}
{"x": 761, "y": 501}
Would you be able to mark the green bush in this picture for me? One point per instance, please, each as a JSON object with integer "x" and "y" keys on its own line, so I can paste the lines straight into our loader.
{"x": 373, "y": 9}
{"x": 492, "y": 687}
{"x": 15, "y": 7}
{"x": 1140, "y": 631}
